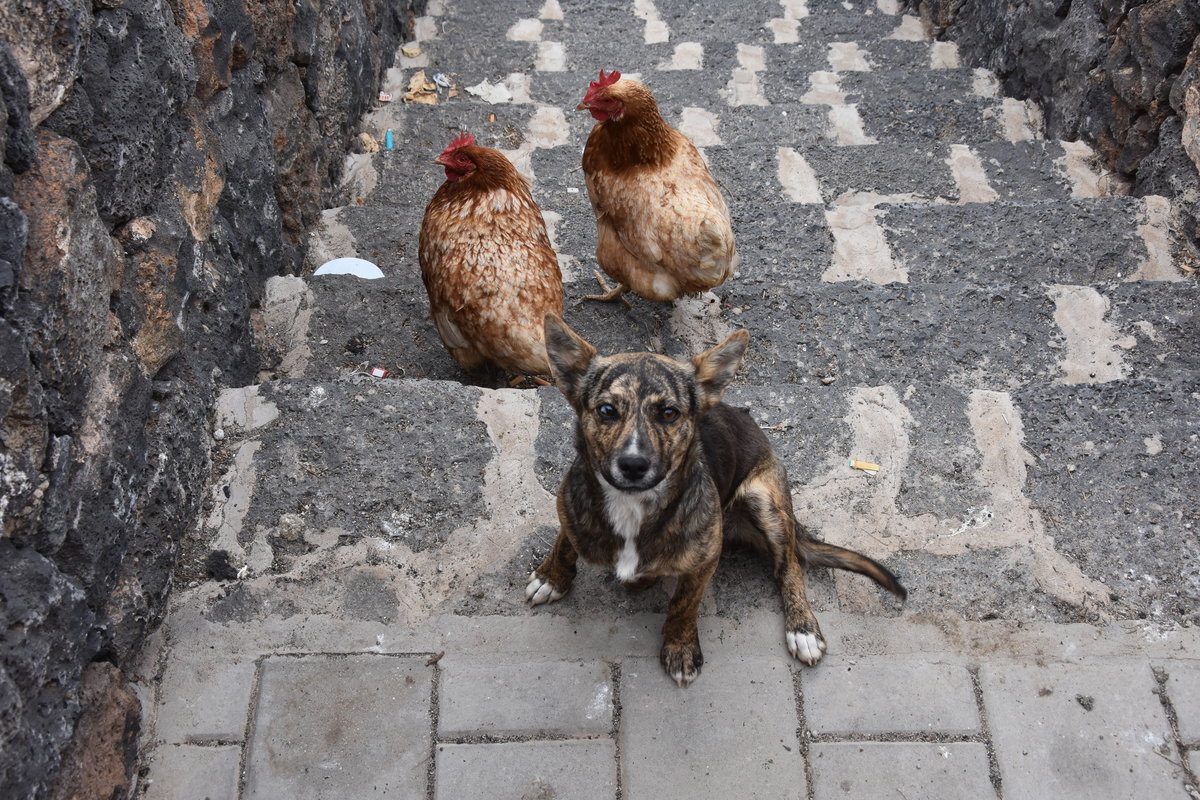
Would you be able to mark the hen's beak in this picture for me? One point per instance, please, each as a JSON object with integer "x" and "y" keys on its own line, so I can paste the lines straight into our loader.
{"x": 439, "y": 162}
{"x": 582, "y": 107}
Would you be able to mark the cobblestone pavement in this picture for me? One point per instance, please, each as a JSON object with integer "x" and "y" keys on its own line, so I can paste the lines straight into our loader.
{"x": 929, "y": 284}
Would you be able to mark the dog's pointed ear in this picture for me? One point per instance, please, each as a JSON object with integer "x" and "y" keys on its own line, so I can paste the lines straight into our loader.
{"x": 569, "y": 356}
{"x": 715, "y": 368}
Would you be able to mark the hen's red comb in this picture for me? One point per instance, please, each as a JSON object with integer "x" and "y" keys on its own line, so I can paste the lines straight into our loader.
{"x": 462, "y": 140}
{"x": 604, "y": 82}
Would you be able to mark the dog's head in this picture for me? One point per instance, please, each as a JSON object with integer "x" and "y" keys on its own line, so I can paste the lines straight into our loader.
{"x": 638, "y": 411}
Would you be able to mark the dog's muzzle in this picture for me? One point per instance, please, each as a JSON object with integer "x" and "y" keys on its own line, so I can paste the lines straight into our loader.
{"x": 632, "y": 473}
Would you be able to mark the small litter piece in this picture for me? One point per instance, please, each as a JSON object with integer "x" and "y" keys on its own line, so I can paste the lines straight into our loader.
{"x": 387, "y": 139}
{"x": 421, "y": 90}
{"x": 410, "y": 50}
{"x": 441, "y": 80}
{"x": 368, "y": 143}
{"x": 378, "y": 372}
{"x": 358, "y": 267}
{"x": 491, "y": 92}
{"x": 385, "y": 97}
{"x": 434, "y": 659}
{"x": 865, "y": 466}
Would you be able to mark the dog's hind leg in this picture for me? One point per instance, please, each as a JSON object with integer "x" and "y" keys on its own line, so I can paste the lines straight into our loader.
{"x": 768, "y": 505}
{"x": 553, "y": 578}
{"x": 680, "y": 655}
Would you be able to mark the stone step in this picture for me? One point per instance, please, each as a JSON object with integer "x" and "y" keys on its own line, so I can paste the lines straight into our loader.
{"x": 997, "y": 337}
{"x": 398, "y": 495}
{"x": 1080, "y": 242}
{"x": 762, "y": 175}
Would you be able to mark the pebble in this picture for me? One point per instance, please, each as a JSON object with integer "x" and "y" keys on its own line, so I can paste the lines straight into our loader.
{"x": 218, "y": 434}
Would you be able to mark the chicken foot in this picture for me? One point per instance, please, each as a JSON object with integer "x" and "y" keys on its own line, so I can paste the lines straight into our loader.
{"x": 610, "y": 293}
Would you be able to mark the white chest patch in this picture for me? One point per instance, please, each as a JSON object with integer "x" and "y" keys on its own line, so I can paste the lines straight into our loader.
{"x": 625, "y": 512}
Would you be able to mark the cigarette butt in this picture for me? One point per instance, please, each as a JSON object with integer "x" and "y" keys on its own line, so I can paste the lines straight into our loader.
{"x": 491, "y": 117}
{"x": 864, "y": 465}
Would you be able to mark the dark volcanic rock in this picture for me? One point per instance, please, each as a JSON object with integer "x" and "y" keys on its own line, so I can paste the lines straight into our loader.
{"x": 102, "y": 755}
{"x": 1109, "y": 71}
{"x": 161, "y": 161}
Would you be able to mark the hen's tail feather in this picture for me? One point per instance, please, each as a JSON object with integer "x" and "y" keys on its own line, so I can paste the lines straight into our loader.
{"x": 822, "y": 554}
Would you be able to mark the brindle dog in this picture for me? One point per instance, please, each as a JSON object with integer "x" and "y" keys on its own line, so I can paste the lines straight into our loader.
{"x": 664, "y": 475}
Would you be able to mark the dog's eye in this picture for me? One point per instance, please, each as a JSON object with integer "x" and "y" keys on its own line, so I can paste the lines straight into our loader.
{"x": 669, "y": 414}
{"x": 607, "y": 411}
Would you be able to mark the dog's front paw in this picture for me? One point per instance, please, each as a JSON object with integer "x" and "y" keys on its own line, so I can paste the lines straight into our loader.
{"x": 540, "y": 590}
{"x": 682, "y": 661}
{"x": 807, "y": 646}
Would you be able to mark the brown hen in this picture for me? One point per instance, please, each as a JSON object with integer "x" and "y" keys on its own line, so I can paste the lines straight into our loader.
{"x": 662, "y": 225}
{"x": 487, "y": 263}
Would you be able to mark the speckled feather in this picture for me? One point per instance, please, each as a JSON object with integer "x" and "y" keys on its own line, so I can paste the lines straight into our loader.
{"x": 488, "y": 267}
{"x": 663, "y": 228}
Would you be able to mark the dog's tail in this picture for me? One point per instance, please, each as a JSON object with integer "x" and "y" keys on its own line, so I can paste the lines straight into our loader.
{"x": 822, "y": 554}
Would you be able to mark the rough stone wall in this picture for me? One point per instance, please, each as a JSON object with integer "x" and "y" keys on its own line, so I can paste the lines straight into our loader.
{"x": 161, "y": 160}
{"x": 1122, "y": 74}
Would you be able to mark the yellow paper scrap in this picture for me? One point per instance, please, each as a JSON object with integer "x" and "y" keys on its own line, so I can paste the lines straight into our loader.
{"x": 421, "y": 90}
{"x": 410, "y": 50}
{"x": 864, "y": 465}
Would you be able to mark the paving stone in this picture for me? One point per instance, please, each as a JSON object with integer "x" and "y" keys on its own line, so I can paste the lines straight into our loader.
{"x": 1078, "y": 242}
{"x": 204, "y": 701}
{"x": 732, "y": 733}
{"x": 872, "y": 770}
{"x": 583, "y": 769}
{"x": 875, "y": 696}
{"x": 558, "y": 697}
{"x": 330, "y": 726}
{"x": 1078, "y": 731}
{"x": 1183, "y": 687}
{"x": 189, "y": 772}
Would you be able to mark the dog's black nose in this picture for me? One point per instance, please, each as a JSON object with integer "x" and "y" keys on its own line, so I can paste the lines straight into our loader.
{"x": 633, "y": 467}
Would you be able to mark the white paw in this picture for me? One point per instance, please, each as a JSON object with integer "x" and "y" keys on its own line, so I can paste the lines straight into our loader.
{"x": 539, "y": 591}
{"x": 683, "y": 679}
{"x": 807, "y": 647}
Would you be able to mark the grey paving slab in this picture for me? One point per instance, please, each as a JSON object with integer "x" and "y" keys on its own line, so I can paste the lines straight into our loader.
{"x": 732, "y": 733}
{"x": 1079, "y": 731}
{"x": 874, "y": 696}
{"x": 190, "y": 772}
{"x": 874, "y": 770}
{"x": 558, "y": 697}
{"x": 339, "y": 727}
{"x": 579, "y": 769}
{"x": 1183, "y": 687}
{"x": 204, "y": 701}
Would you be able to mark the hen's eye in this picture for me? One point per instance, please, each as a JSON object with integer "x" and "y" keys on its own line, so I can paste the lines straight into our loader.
{"x": 669, "y": 414}
{"x": 607, "y": 411}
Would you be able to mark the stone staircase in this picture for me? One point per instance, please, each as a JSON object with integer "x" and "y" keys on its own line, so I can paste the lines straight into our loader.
{"x": 928, "y": 283}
